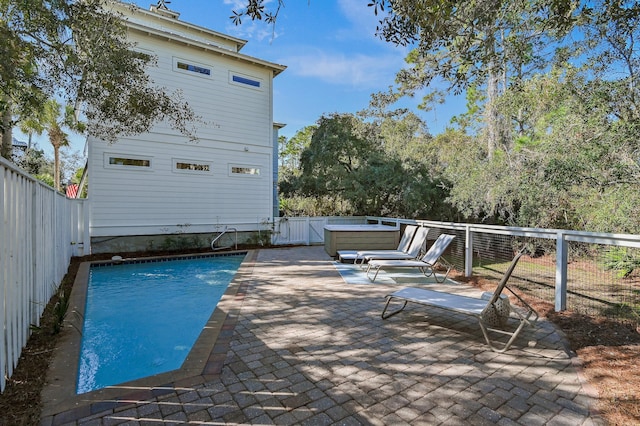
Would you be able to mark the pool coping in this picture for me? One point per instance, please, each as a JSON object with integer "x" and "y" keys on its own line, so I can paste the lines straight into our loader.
{"x": 203, "y": 363}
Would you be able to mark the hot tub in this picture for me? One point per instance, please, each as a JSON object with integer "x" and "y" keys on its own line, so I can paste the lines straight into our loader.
{"x": 360, "y": 237}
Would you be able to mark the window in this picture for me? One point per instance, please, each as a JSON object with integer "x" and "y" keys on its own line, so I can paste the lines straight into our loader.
{"x": 191, "y": 68}
{"x": 129, "y": 161}
{"x": 245, "y": 170}
{"x": 245, "y": 80}
{"x": 191, "y": 166}
{"x": 194, "y": 68}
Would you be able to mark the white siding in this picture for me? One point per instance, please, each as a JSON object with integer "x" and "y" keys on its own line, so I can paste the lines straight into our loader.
{"x": 229, "y": 112}
{"x": 179, "y": 29}
{"x": 237, "y": 131}
{"x": 156, "y": 200}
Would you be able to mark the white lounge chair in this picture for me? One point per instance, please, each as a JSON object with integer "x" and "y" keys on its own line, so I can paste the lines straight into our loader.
{"x": 492, "y": 312}
{"x": 403, "y": 246}
{"x": 426, "y": 263}
{"x": 411, "y": 253}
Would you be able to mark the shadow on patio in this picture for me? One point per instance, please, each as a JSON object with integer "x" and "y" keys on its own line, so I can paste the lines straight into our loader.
{"x": 301, "y": 346}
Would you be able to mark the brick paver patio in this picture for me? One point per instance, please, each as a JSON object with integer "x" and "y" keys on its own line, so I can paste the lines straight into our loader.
{"x": 299, "y": 346}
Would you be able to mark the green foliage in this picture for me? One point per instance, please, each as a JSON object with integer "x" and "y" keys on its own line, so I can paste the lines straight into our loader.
{"x": 34, "y": 162}
{"x": 296, "y": 205}
{"x": 290, "y": 150}
{"x": 622, "y": 260}
{"x": 54, "y": 122}
{"x": 46, "y": 178}
{"x": 377, "y": 167}
{"x": 550, "y": 136}
{"x": 572, "y": 164}
{"x": 338, "y": 160}
{"x": 465, "y": 39}
{"x": 261, "y": 238}
{"x": 79, "y": 50}
{"x": 60, "y": 310}
{"x": 58, "y": 313}
{"x": 180, "y": 242}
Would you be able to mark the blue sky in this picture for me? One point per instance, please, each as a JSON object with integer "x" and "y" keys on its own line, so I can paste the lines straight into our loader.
{"x": 334, "y": 60}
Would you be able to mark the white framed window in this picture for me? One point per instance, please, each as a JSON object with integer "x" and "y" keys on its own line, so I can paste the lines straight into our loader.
{"x": 127, "y": 161}
{"x": 244, "y": 170}
{"x": 244, "y": 80}
{"x": 192, "y": 68}
{"x": 191, "y": 166}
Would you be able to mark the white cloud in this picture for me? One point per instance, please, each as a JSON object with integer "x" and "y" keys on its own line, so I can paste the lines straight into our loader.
{"x": 358, "y": 70}
{"x": 360, "y": 15}
{"x": 237, "y": 4}
{"x": 253, "y": 30}
{"x": 250, "y": 29}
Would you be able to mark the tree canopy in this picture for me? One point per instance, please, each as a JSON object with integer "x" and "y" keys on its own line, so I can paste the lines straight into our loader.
{"x": 550, "y": 137}
{"x": 77, "y": 51}
{"x": 358, "y": 165}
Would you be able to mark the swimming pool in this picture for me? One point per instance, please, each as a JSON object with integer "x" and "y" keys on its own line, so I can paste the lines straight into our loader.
{"x": 142, "y": 318}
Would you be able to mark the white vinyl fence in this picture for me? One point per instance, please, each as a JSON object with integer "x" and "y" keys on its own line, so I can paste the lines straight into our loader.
{"x": 308, "y": 230}
{"x": 40, "y": 230}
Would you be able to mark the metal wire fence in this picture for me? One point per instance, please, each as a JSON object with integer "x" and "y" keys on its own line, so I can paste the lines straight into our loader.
{"x": 602, "y": 278}
{"x": 604, "y": 281}
{"x": 535, "y": 273}
{"x": 588, "y": 273}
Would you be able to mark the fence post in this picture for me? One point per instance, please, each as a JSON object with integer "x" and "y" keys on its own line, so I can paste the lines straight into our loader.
{"x": 86, "y": 220}
{"x": 562, "y": 257}
{"x": 468, "y": 251}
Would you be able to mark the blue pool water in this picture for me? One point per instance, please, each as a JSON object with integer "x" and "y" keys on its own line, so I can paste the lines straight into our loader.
{"x": 142, "y": 319}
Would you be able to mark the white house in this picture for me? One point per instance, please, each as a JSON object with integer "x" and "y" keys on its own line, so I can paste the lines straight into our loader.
{"x": 146, "y": 188}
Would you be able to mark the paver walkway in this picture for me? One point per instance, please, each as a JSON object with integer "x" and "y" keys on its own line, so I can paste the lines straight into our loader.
{"x": 303, "y": 347}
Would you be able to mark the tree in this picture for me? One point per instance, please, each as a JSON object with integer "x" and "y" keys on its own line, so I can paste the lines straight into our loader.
{"x": 484, "y": 46}
{"x": 612, "y": 33}
{"x": 54, "y": 124}
{"x": 19, "y": 82}
{"x": 78, "y": 50}
{"x": 289, "y": 172}
{"x": 380, "y": 165}
{"x": 35, "y": 162}
{"x": 551, "y": 135}
{"x": 291, "y": 149}
{"x": 572, "y": 165}
{"x": 257, "y": 10}
{"x": 31, "y": 125}
{"x": 465, "y": 43}
{"x": 334, "y": 161}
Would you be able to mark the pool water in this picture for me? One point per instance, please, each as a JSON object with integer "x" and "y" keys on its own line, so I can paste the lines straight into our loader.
{"x": 142, "y": 319}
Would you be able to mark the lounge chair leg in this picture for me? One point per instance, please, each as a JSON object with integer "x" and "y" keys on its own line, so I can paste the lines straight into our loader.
{"x": 444, "y": 278}
{"x": 513, "y": 335}
{"x": 376, "y": 275}
{"x": 386, "y": 305}
{"x": 426, "y": 270}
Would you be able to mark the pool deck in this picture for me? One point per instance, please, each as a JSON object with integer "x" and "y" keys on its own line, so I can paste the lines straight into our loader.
{"x": 292, "y": 343}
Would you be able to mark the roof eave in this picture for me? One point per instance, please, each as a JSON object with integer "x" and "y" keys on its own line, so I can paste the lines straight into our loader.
{"x": 276, "y": 68}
